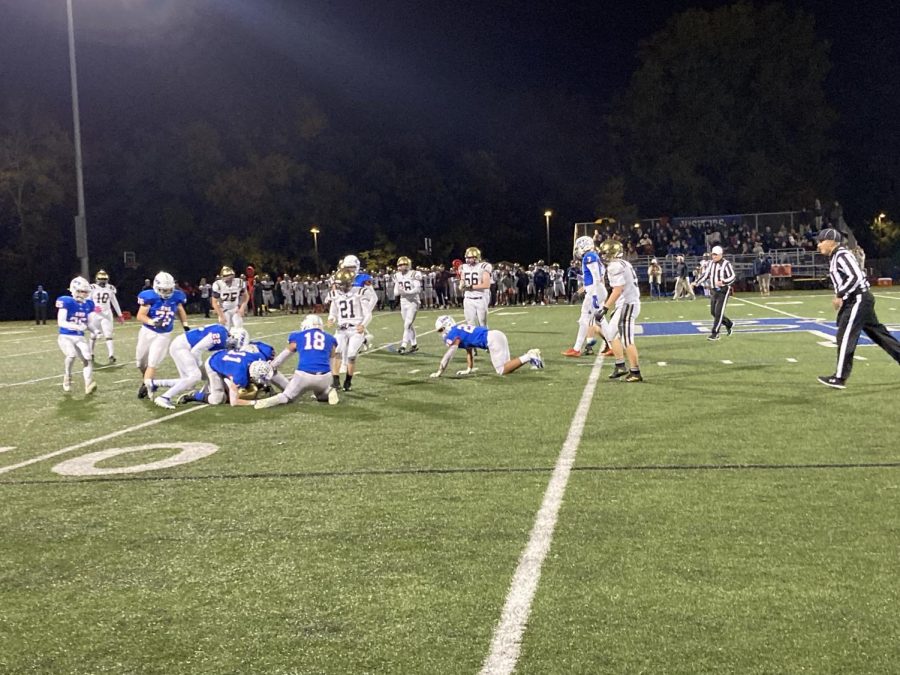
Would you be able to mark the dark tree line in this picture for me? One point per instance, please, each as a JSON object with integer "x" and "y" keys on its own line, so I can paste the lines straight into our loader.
{"x": 725, "y": 112}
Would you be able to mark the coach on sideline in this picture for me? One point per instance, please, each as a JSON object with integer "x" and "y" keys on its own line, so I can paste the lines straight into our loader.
{"x": 855, "y": 306}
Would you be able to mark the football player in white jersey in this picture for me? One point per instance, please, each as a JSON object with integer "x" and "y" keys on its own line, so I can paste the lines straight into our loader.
{"x": 365, "y": 284}
{"x": 229, "y": 299}
{"x": 475, "y": 283}
{"x": 593, "y": 289}
{"x": 106, "y": 303}
{"x": 407, "y": 287}
{"x": 624, "y": 304}
{"x": 351, "y": 315}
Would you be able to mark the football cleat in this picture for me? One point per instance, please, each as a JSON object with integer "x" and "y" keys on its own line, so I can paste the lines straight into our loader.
{"x": 588, "y": 350}
{"x": 536, "y": 361}
{"x": 413, "y": 349}
{"x": 90, "y": 388}
{"x": 832, "y": 381}
{"x": 112, "y": 360}
{"x": 728, "y": 330}
{"x": 67, "y": 384}
{"x": 333, "y": 398}
{"x": 187, "y": 397}
{"x": 163, "y": 402}
{"x": 617, "y": 373}
{"x": 608, "y": 352}
{"x": 401, "y": 349}
{"x": 573, "y": 353}
{"x": 269, "y": 402}
{"x": 142, "y": 391}
{"x": 712, "y": 337}
{"x": 347, "y": 386}
{"x": 634, "y": 377}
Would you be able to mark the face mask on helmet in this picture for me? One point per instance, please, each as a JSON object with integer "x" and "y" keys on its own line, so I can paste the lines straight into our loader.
{"x": 473, "y": 255}
{"x": 102, "y": 278}
{"x": 238, "y": 338}
{"x": 582, "y": 246}
{"x": 352, "y": 262}
{"x": 80, "y": 288}
{"x": 444, "y": 323}
{"x": 164, "y": 285}
{"x": 261, "y": 372}
{"x": 344, "y": 278}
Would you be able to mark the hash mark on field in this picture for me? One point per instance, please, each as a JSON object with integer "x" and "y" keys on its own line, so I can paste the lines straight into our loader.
{"x": 727, "y": 362}
{"x": 859, "y": 358}
{"x": 7, "y": 448}
{"x": 790, "y": 360}
{"x": 121, "y": 381}
{"x": 414, "y": 371}
{"x": 661, "y": 363}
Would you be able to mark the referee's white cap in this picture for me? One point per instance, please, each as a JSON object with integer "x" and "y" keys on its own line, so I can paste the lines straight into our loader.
{"x": 717, "y": 250}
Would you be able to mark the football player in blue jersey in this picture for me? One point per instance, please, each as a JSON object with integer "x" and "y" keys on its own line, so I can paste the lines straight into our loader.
{"x": 157, "y": 309}
{"x": 315, "y": 350}
{"x": 187, "y": 352}
{"x": 593, "y": 288}
{"x": 471, "y": 337}
{"x": 231, "y": 374}
{"x": 72, "y": 319}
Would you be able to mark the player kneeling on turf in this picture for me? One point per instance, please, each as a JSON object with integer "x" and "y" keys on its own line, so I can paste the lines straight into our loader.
{"x": 315, "y": 349}
{"x": 479, "y": 337}
{"x": 233, "y": 375}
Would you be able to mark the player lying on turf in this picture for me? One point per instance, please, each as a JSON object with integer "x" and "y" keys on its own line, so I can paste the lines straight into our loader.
{"x": 315, "y": 351}
{"x": 235, "y": 376}
{"x": 479, "y": 337}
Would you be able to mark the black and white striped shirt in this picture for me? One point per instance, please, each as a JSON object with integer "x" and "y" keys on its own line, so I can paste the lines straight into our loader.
{"x": 846, "y": 276}
{"x": 715, "y": 272}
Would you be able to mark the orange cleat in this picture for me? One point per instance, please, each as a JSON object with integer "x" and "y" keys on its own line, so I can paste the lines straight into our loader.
{"x": 574, "y": 353}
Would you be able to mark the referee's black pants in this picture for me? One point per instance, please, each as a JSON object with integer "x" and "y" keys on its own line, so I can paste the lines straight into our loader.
{"x": 857, "y": 314}
{"x": 717, "y": 302}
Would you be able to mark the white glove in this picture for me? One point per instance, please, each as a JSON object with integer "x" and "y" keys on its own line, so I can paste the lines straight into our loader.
{"x": 435, "y": 374}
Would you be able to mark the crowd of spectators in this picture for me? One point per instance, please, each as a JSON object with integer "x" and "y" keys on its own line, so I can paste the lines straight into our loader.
{"x": 749, "y": 234}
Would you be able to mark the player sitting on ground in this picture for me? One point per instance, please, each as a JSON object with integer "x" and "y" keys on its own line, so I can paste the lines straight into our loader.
{"x": 479, "y": 337}
{"x": 315, "y": 349}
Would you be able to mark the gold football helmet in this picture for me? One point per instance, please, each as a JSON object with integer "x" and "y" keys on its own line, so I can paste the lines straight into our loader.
{"x": 403, "y": 260}
{"x": 473, "y": 252}
{"x": 226, "y": 271}
{"x": 344, "y": 278}
{"x": 611, "y": 249}
{"x": 102, "y": 277}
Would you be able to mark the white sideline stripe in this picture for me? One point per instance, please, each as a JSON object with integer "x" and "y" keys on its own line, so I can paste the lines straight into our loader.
{"x": 99, "y": 439}
{"x": 507, "y": 640}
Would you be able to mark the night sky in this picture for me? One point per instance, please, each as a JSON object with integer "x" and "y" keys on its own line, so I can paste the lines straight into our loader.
{"x": 502, "y": 75}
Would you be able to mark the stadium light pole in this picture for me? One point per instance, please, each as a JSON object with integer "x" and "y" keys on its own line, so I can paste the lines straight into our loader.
{"x": 547, "y": 215}
{"x": 314, "y": 231}
{"x": 81, "y": 245}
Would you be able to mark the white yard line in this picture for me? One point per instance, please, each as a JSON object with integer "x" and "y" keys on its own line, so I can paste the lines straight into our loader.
{"x": 780, "y": 311}
{"x": 99, "y": 439}
{"x": 507, "y": 640}
{"x": 59, "y": 376}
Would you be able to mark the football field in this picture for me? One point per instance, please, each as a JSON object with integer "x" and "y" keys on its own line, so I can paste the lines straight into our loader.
{"x": 728, "y": 514}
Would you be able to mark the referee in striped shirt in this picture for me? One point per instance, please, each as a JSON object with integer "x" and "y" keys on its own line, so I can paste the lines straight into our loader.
{"x": 855, "y": 306}
{"x": 720, "y": 275}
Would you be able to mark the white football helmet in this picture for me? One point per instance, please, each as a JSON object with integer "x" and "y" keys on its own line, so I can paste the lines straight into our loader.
{"x": 164, "y": 285}
{"x": 261, "y": 372}
{"x": 310, "y": 322}
{"x": 582, "y": 246}
{"x": 443, "y": 323}
{"x": 351, "y": 261}
{"x": 80, "y": 288}
{"x": 238, "y": 338}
